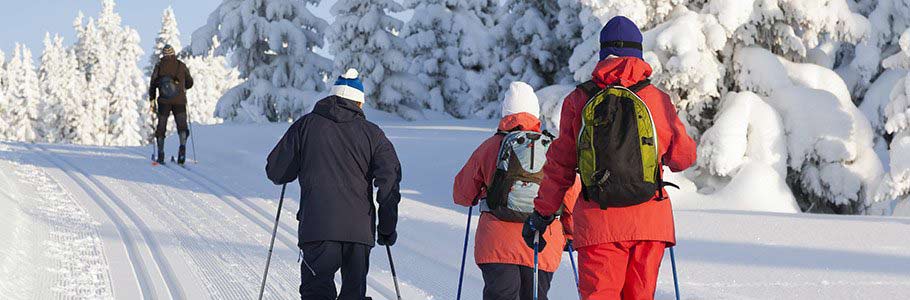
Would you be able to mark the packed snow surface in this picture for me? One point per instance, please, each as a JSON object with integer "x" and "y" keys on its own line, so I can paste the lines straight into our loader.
{"x": 102, "y": 222}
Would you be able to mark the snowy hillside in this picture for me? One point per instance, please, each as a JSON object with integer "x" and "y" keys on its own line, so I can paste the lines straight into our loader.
{"x": 101, "y": 222}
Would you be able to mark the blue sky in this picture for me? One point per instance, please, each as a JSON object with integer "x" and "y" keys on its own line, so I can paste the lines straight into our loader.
{"x": 27, "y": 21}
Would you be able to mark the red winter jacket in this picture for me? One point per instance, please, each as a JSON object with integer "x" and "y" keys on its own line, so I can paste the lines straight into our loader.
{"x": 652, "y": 220}
{"x": 499, "y": 241}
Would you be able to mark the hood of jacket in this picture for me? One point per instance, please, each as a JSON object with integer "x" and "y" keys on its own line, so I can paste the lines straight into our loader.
{"x": 338, "y": 109}
{"x": 520, "y": 121}
{"x": 625, "y": 71}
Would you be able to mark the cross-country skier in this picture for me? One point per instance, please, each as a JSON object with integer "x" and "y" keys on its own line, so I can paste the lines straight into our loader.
{"x": 506, "y": 263}
{"x": 623, "y": 222}
{"x": 171, "y": 78}
{"x": 338, "y": 156}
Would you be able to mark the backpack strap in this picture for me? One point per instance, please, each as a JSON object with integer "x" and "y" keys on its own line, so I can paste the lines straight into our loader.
{"x": 638, "y": 86}
{"x": 589, "y": 87}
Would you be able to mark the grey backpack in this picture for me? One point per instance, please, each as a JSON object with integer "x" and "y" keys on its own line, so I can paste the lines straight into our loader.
{"x": 519, "y": 170}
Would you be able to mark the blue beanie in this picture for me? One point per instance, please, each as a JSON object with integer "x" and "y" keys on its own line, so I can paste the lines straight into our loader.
{"x": 620, "y": 37}
{"x": 348, "y": 86}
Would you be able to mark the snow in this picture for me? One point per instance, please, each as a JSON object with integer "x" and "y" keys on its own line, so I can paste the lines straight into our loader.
{"x": 203, "y": 232}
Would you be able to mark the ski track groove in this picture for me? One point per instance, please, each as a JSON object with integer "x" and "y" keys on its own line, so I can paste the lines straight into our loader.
{"x": 132, "y": 249}
{"x": 237, "y": 255}
{"x": 171, "y": 283}
{"x": 386, "y": 292}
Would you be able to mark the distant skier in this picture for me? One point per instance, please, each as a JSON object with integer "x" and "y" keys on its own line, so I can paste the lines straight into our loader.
{"x": 172, "y": 78}
{"x": 338, "y": 156}
{"x": 616, "y": 132}
{"x": 506, "y": 263}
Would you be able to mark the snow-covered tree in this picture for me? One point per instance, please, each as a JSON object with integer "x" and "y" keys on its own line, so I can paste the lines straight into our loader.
{"x": 535, "y": 40}
{"x": 108, "y": 55}
{"x": 212, "y": 78}
{"x": 24, "y": 95}
{"x": 168, "y": 35}
{"x": 896, "y": 184}
{"x": 451, "y": 51}
{"x": 62, "y": 110}
{"x": 363, "y": 36}
{"x": 832, "y": 166}
{"x": 271, "y": 43}
{"x": 4, "y": 102}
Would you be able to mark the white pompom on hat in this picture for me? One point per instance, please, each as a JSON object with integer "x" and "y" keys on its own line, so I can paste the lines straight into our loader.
{"x": 348, "y": 86}
{"x": 520, "y": 98}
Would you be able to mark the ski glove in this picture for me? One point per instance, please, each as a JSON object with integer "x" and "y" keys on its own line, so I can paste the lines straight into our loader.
{"x": 536, "y": 224}
{"x": 387, "y": 239}
{"x": 568, "y": 246}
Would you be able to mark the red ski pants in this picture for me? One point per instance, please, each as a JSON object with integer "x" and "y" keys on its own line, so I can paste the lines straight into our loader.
{"x": 620, "y": 270}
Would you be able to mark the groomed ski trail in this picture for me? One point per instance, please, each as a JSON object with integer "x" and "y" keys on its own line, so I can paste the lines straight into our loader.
{"x": 141, "y": 247}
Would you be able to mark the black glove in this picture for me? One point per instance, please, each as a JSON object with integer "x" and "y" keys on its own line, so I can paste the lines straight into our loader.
{"x": 387, "y": 239}
{"x": 536, "y": 224}
{"x": 568, "y": 246}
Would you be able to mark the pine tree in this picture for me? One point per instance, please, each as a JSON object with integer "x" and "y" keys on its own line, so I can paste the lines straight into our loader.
{"x": 4, "y": 102}
{"x": 61, "y": 85}
{"x": 168, "y": 35}
{"x": 528, "y": 49}
{"x": 24, "y": 94}
{"x": 213, "y": 78}
{"x": 363, "y": 36}
{"x": 451, "y": 49}
{"x": 108, "y": 55}
{"x": 271, "y": 43}
{"x": 896, "y": 184}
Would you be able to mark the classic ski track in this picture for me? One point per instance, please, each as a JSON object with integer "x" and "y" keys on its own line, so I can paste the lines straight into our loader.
{"x": 171, "y": 284}
{"x": 129, "y": 242}
{"x": 386, "y": 290}
{"x": 239, "y": 256}
{"x": 373, "y": 283}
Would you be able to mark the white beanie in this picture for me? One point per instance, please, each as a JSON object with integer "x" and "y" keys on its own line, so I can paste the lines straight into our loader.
{"x": 520, "y": 98}
{"x": 348, "y": 86}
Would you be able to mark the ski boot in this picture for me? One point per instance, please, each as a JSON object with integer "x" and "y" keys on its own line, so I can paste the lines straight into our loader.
{"x": 160, "y": 158}
{"x": 181, "y": 155}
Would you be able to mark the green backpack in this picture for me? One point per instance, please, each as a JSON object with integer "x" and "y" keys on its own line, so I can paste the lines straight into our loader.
{"x": 618, "y": 157}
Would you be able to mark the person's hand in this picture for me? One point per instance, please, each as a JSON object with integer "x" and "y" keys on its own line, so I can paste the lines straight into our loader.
{"x": 569, "y": 247}
{"x": 536, "y": 224}
{"x": 387, "y": 239}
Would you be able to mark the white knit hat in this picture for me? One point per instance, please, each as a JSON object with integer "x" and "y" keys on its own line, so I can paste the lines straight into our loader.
{"x": 520, "y": 98}
{"x": 348, "y": 86}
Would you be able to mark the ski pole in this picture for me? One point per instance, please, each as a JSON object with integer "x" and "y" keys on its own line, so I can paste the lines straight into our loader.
{"x": 464, "y": 253}
{"x": 574, "y": 269}
{"x": 192, "y": 139}
{"x": 536, "y": 265}
{"x": 388, "y": 250}
{"x": 272, "y": 243}
{"x": 675, "y": 279}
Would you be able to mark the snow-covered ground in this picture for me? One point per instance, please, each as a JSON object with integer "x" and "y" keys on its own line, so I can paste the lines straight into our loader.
{"x": 96, "y": 222}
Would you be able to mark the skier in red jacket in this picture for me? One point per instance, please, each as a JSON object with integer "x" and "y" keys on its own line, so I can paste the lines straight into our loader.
{"x": 619, "y": 248}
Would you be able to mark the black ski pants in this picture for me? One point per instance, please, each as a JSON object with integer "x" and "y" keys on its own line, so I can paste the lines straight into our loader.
{"x": 513, "y": 282}
{"x": 321, "y": 260}
{"x": 164, "y": 112}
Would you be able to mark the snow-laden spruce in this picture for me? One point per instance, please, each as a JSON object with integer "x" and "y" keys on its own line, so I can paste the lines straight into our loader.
{"x": 833, "y": 165}
{"x": 529, "y": 47}
{"x": 212, "y": 78}
{"x": 63, "y": 109}
{"x": 108, "y": 56}
{"x": 168, "y": 35}
{"x": 451, "y": 49}
{"x": 365, "y": 37}
{"x": 271, "y": 43}
{"x": 24, "y": 95}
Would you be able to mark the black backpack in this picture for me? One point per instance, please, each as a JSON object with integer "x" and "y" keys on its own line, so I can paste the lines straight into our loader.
{"x": 618, "y": 157}
{"x": 168, "y": 87}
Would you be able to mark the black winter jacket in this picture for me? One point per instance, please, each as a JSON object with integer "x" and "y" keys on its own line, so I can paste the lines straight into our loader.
{"x": 171, "y": 66}
{"x": 338, "y": 156}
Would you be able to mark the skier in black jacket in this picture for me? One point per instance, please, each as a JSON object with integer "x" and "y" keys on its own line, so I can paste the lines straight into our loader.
{"x": 170, "y": 76}
{"x": 337, "y": 156}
